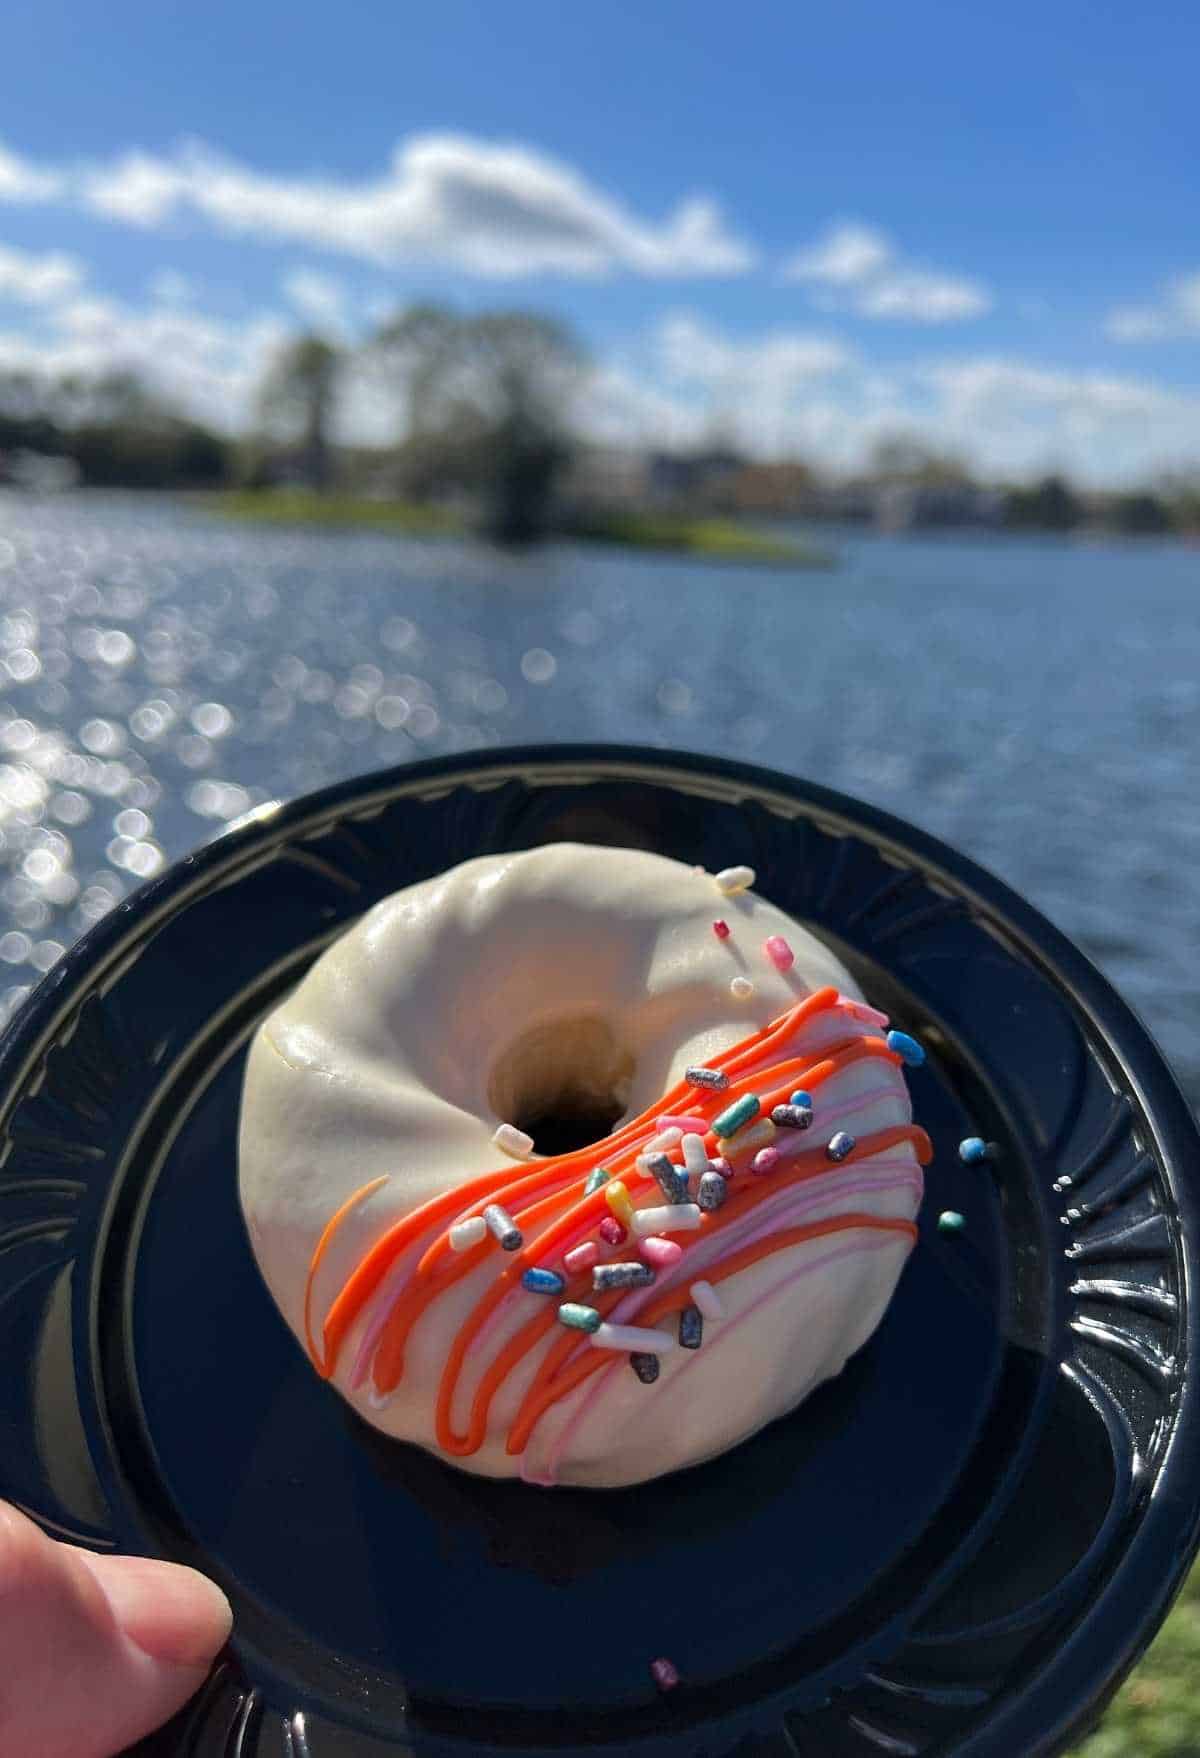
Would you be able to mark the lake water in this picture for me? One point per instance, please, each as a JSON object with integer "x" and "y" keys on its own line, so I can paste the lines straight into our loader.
{"x": 1036, "y": 703}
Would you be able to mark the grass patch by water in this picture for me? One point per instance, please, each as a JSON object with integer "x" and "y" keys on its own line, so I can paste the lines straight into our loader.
{"x": 720, "y": 540}
{"x": 707, "y": 539}
{"x": 301, "y": 507}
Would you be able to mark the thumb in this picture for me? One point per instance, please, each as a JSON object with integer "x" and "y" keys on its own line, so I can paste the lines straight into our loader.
{"x": 95, "y": 1652}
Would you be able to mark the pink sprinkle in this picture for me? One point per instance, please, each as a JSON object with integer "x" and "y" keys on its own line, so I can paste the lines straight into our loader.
{"x": 685, "y": 1125}
{"x": 766, "y": 1160}
{"x": 612, "y": 1232}
{"x": 779, "y": 952}
{"x": 721, "y": 1165}
{"x": 662, "y": 1253}
{"x": 721, "y": 930}
{"x": 664, "y": 1674}
{"x": 582, "y": 1258}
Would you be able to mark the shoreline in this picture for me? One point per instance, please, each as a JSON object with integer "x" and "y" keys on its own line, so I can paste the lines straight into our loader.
{"x": 700, "y": 539}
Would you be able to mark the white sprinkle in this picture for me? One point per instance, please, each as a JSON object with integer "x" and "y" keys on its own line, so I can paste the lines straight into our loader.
{"x": 705, "y": 1296}
{"x": 465, "y": 1234}
{"x": 511, "y": 1140}
{"x": 662, "y": 1144}
{"x": 730, "y": 880}
{"x": 636, "y": 1338}
{"x": 695, "y": 1158}
{"x": 672, "y": 1218}
{"x": 741, "y": 988}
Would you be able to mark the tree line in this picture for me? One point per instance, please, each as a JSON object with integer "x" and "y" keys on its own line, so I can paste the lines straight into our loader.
{"x": 478, "y": 405}
{"x": 476, "y": 408}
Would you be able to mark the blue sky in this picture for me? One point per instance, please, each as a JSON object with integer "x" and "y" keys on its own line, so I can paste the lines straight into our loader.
{"x": 804, "y": 227}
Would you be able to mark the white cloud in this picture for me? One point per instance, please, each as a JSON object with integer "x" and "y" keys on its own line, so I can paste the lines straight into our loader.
{"x": 1175, "y": 314}
{"x": 785, "y": 359}
{"x": 694, "y": 381}
{"x": 795, "y": 392}
{"x": 138, "y": 188}
{"x": 498, "y": 211}
{"x": 758, "y": 390}
{"x": 856, "y": 267}
{"x": 206, "y": 367}
{"x": 38, "y": 280}
{"x": 922, "y": 297}
{"x": 319, "y": 298}
{"x": 1021, "y": 417}
{"x": 847, "y": 255}
{"x": 21, "y": 181}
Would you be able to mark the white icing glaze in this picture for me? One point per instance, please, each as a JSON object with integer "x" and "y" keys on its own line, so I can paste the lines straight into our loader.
{"x": 379, "y": 1063}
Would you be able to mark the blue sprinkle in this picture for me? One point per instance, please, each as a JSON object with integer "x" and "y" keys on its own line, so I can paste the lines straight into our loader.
{"x": 800, "y": 1097}
{"x": 543, "y": 1282}
{"x": 906, "y": 1048}
{"x": 691, "y": 1328}
{"x": 950, "y": 1221}
{"x": 972, "y": 1150}
{"x": 839, "y": 1145}
{"x": 646, "y": 1367}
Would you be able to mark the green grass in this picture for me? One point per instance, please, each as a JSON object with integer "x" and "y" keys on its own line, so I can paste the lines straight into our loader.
{"x": 706, "y": 539}
{"x": 1156, "y": 1714}
{"x": 711, "y": 539}
{"x": 302, "y": 507}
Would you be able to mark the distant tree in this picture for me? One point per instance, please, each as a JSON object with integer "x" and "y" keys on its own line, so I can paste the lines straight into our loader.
{"x": 298, "y": 397}
{"x": 25, "y": 421}
{"x": 905, "y": 458}
{"x": 1179, "y": 490}
{"x": 485, "y": 401}
{"x": 1051, "y": 505}
{"x": 415, "y": 351}
{"x": 1139, "y": 515}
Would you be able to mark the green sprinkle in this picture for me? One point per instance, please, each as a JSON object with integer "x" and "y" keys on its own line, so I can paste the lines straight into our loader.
{"x": 579, "y": 1318}
{"x": 595, "y": 1179}
{"x": 950, "y": 1221}
{"x": 732, "y": 1118}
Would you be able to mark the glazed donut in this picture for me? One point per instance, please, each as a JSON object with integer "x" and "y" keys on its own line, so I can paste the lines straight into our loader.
{"x": 578, "y": 1164}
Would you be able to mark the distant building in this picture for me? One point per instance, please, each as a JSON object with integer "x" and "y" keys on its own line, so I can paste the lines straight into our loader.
{"x": 606, "y": 476}
{"x": 691, "y": 476}
{"x": 902, "y": 506}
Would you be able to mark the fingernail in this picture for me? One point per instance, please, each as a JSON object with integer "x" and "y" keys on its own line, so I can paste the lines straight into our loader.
{"x": 173, "y": 1613}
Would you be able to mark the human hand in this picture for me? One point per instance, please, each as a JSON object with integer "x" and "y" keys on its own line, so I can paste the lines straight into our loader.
{"x": 95, "y": 1651}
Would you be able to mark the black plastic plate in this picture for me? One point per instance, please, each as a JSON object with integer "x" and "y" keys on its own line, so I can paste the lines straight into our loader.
{"x": 957, "y": 1547}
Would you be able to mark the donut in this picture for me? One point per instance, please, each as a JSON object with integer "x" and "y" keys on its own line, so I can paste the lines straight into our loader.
{"x": 578, "y": 1164}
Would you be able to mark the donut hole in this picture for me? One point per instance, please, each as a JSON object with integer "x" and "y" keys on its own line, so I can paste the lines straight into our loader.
{"x": 565, "y": 1082}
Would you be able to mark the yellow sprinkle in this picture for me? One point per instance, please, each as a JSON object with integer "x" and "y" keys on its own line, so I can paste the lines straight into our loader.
{"x": 619, "y": 1201}
{"x": 750, "y": 1138}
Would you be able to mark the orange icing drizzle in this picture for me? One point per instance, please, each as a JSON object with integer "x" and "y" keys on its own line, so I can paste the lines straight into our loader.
{"x": 547, "y": 1201}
